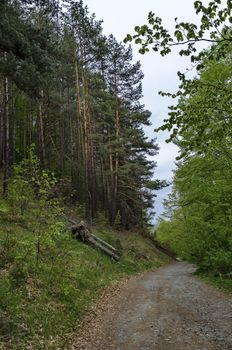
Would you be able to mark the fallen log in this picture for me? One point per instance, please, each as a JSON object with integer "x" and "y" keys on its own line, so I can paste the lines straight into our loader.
{"x": 103, "y": 248}
{"x": 104, "y": 243}
{"x": 81, "y": 232}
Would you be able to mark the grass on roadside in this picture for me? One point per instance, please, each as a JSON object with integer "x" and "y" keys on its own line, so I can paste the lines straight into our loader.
{"x": 218, "y": 281}
{"x": 43, "y": 298}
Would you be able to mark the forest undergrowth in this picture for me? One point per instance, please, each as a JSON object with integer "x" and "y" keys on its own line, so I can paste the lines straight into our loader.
{"x": 49, "y": 280}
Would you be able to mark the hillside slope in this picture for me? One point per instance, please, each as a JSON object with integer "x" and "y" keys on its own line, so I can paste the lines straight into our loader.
{"x": 49, "y": 280}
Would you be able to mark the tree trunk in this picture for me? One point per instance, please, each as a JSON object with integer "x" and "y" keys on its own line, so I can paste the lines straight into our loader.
{"x": 6, "y": 136}
{"x": 79, "y": 132}
{"x": 2, "y": 101}
{"x": 41, "y": 131}
{"x": 81, "y": 232}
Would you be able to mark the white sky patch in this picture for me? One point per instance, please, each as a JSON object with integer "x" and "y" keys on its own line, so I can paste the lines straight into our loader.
{"x": 120, "y": 17}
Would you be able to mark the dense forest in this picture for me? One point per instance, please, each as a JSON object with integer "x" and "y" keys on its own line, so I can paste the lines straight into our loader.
{"x": 73, "y": 95}
{"x": 197, "y": 222}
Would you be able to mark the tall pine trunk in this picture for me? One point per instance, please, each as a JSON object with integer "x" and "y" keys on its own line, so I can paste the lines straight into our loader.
{"x": 2, "y": 101}
{"x": 6, "y": 135}
{"x": 41, "y": 131}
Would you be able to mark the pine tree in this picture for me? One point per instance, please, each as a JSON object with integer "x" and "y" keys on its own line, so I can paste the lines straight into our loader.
{"x": 75, "y": 94}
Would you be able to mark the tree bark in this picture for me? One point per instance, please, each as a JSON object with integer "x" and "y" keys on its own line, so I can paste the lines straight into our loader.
{"x": 41, "y": 131}
{"x": 2, "y": 101}
{"x": 6, "y": 137}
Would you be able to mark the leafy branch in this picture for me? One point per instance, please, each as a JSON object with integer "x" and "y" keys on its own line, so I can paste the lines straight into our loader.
{"x": 212, "y": 29}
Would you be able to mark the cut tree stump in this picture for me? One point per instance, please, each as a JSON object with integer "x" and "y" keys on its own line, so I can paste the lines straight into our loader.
{"x": 81, "y": 232}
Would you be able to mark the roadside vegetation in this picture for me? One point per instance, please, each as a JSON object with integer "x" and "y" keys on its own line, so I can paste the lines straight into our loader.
{"x": 219, "y": 281}
{"x": 49, "y": 280}
{"x": 197, "y": 222}
{"x": 198, "y": 218}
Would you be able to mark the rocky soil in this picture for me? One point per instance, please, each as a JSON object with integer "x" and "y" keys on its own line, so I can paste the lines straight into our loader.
{"x": 166, "y": 309}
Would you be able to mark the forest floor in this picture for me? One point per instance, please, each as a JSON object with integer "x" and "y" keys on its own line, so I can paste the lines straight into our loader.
{"x": 165, "y": 309}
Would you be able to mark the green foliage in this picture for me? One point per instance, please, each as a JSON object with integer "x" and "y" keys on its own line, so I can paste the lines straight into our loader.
{"x": 202, "y": 117}
{"x": 214, "y": 27}
{"x": 200, "y": 213}
{"x": 198, "y": 224}
{"x": 218, "y": 281}
{"x": 28, "y": 193}
{"x": 30, "y": 183}
{"x": 26, "y": 41}
{"x": 200, "y": 204}
{"x": 20, "y": 193}
{"x": 4, "y": 207}
{"x": 172, "y": 233}
{"x": 201, "y": 120}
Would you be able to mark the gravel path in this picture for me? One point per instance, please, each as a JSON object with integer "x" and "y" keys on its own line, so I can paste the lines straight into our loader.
{"x": 167, "y": 309}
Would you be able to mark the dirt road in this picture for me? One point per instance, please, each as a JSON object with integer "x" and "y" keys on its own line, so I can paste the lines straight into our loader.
{"x": 168, "y": 309}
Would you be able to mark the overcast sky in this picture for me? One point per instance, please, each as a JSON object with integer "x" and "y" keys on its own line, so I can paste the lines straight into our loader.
{"x": 120, "y": 17}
